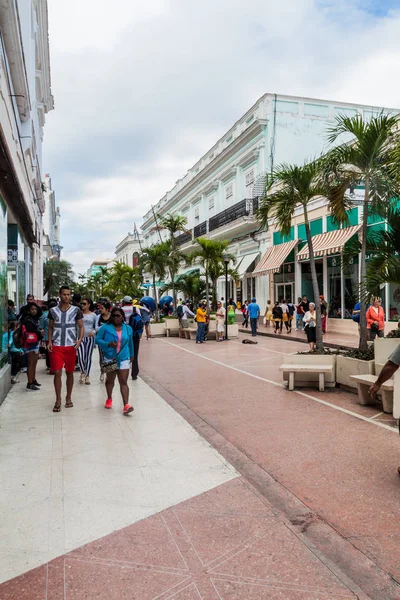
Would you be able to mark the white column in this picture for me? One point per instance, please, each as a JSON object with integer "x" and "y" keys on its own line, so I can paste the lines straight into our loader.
{"x": 325, "y": 277}
{"x": 342, "y": 292}
{"x": 387, "y": 311}
{"x": 297, "y": 278}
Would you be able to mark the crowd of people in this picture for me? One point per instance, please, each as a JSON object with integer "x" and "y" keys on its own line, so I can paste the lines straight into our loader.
{"x": 67, "y": 330}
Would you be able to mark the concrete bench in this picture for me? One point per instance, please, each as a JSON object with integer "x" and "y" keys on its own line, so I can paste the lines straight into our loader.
{"x": 173, "y": 330}
{"x": 322, "y": 370}
{"x": 364, "y": 382}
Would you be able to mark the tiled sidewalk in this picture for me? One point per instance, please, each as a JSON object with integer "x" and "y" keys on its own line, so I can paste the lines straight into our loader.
{"x": 226, "y": 544}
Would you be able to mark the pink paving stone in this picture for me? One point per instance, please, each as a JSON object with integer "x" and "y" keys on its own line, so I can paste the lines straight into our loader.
{"x": 250, "y": 591}
{"x": 30, "y": 586}
{"x": 86, "y": 580}
{"x": 280, "y": 558}
{"x": 189, "y": 593}
{"x": 342, "y": 468}
{"x": 148, "y": 542}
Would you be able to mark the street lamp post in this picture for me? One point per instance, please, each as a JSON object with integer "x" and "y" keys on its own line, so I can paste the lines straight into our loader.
{"x": 226, "y": 258}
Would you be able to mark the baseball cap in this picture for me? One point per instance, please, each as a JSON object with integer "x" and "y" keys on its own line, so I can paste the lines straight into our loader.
{"x": 127, "y": 299}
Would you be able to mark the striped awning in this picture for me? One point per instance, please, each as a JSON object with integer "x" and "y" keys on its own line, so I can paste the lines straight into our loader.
{"x": 273, "y": 258}
{"x": 331, "y": 242}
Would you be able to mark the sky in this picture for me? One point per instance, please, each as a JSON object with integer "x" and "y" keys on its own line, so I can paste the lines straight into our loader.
{"x": 143, "y": 89}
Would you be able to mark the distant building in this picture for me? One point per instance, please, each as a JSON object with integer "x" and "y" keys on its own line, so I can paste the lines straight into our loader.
{"x": 96, "y": 267}
{"x": 127, "y": 250}
{"x": 51, "y": 222}
{"x": 219, "y": 197}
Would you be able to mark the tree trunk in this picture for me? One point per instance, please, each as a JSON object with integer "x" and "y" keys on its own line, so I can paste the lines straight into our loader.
{"x": 214, "y": 295}
{"x": 207, "y": 288}
{"x": 318, "y": 330}
{"x": 363, "y": 343}
{"x": 155, "y": 298}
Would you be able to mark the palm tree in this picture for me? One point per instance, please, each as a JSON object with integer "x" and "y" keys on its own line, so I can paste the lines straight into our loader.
{"x": 123, "y": 281}
{"x": 192, "y": 286}
{"x": 174, "y": 224}
{"x": 291, "y": 187}
{"x": 216, "y": 270}
{"x": 155, "y": 260}
{"x": 211, "y": 255}
{"x": 369, "y": 159}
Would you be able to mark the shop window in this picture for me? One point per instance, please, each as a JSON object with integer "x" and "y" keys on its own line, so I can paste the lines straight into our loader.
{"x": 350, "y": 281}
{"x": 394, "y": 302}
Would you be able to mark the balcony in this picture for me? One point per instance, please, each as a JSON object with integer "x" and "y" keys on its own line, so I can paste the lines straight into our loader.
{"x": 200, "y": 229}
{"x": 183, "y": 238}
{"x": 238, "y": 219}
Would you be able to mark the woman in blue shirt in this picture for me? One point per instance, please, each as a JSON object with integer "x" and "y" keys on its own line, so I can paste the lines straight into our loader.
{"x": 116, "y": 344}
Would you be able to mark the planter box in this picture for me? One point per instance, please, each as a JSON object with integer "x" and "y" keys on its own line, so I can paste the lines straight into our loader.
{"x": 346, "y": 367}
{"x": 233, "y": 330}
{"x": 310, "y": 379}
{"x": 383, "y": 348}
{"x": 157, "y": 329}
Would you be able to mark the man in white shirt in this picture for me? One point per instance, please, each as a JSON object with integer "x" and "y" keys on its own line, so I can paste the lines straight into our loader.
{"x": 220, "y": 324}
{"x": 183, "y": 313}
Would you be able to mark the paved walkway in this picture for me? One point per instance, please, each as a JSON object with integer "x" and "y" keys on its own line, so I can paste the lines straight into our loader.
{"x": 221, "y": 485}
{"x": 347, "y": 339}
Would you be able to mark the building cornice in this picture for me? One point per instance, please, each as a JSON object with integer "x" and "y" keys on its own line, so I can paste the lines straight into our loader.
{"x": 10, "y": 28}
{"x": 244, "y": 138}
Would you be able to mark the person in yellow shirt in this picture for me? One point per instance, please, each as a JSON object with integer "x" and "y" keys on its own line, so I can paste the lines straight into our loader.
{"x": 201, "y": 318}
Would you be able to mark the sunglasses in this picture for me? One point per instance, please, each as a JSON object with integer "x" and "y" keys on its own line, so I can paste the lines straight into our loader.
{"x": 116, "y": 316}
{"x": 84, "y": 303}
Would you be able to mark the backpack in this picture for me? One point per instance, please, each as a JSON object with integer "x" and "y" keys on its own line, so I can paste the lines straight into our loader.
{"x": 136, "y": 324}
{"x": 179, "y": 311}
{"x": 18, "y": 337}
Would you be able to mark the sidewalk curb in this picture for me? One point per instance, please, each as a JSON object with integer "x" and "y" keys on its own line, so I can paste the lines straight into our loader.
{"x": 360, "y": 574}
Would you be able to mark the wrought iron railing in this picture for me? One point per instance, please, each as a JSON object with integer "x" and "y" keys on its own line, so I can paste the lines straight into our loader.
{"x": 240, "y": 209}
{"x": 200, "y": 229}
{"x": 183, "y": 238}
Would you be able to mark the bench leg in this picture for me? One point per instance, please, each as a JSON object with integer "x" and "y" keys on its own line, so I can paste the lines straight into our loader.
{"x": 167, "y": 332}
{"x": 387, "y": 401}
{"x": 363, "y": 394}
{"x": 291, "y": 381}
{"x": 321, "y": 381}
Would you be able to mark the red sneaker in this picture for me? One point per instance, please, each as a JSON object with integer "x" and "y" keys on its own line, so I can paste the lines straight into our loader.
{"x": 108, "y": 403}
{"x": 128, "y": 409}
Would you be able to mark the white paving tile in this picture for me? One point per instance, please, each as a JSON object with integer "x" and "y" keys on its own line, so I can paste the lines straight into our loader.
{"x": 69, "y": 478}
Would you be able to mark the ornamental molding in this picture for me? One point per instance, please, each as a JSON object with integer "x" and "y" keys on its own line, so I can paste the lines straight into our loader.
{"x": 248, "y": 159}
{"x": 228, "y": 174}
{"x": 212, "y": 186}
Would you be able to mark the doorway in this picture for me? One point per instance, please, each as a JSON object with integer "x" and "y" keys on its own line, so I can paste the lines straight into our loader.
{"x": 284, "y": 291}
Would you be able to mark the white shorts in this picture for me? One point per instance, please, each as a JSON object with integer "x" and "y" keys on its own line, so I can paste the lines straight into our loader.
{"x": 220, "y": 327}
{"x": 125, "y": 364}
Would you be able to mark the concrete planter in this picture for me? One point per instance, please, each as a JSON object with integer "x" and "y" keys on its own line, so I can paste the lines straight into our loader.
{"x": 157, "y": 329}
{"x": 383, "y": 348}
{"x": 233, "y": 330}
{"x": 310, "y": 379}
{"x": 346, "y": 367}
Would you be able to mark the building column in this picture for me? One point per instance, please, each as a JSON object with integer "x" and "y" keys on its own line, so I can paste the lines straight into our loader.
{"x": 297, "y": 278}
{"x": 325, "y": 277}
{"x": 342, "y": 308}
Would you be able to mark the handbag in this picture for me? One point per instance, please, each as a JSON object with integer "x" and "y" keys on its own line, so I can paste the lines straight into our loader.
{"x": 109, "y": 366}
{"x": 374, "y": 327}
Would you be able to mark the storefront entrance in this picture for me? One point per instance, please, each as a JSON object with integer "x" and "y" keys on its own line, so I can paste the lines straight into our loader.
{"x": 284, "y": 291}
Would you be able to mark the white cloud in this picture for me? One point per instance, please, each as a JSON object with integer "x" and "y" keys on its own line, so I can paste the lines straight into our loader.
{"x": 143, "y": 89}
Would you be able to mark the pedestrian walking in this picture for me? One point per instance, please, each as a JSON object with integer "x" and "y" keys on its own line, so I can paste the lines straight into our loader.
{"x": 268, "y": 314}
{"x": 16, "y": 354}
{"x": 103, "y": 317}
{"x": 201, "y": 319}
{"x": 85, "y": 350}
{"x": 184, "y": 312}
{"x": 375, "y": 319}
{"x": 291, "y": 310}
{"x": 285, "y": 314}
{"x": 231, "y": 313}
{"x": 310, "y": 320}
{"x": 220, "y": 322}
{"x": 277, "y": 316}
{"x": 137, "y": 326}
{"x": 324, "y": 312}
{"x": 44, "y": 326}
{"x": 254, "y": 314}
{"x": 116, "y": 342}
{"x": 145, "y": 313}
{"x": 65, "y": 335}
{"x": 11, "y": 314}
{"x": 127, "y": 308}
{"x": 299, "y": 315}
{"x": 245, "y": 314}
{"x": 31, "y": 337}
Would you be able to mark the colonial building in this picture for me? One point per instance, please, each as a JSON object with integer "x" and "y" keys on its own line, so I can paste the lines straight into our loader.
{"x": 25, "y": 99}
{"x": 96, "y": 267}
{"x": 219, "y": 196}
{"x": 51, "y": 222}
{"x": 127, "y": 250}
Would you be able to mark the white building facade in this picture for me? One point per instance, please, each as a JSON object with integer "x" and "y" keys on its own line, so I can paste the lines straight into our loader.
{"x": 25, "y": 98}
{"x": 51, "y": 222}
{"x": 128, "y": 250}
{"x": 219, "y": 194}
